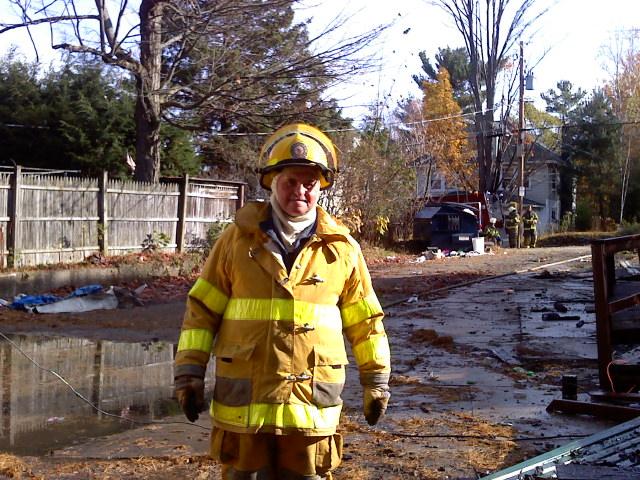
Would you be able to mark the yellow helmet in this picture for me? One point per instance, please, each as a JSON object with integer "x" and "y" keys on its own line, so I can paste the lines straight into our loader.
{"x": 298, "y": 144}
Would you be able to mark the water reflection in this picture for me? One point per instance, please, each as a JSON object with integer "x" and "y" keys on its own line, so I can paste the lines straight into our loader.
{"x": 40, "y": 413}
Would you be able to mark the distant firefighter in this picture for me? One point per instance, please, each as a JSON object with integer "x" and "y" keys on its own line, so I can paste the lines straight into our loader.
{"x": 492, "y": 233}
{"x": 529, "y": 222}
{"x": 512, "y": 223}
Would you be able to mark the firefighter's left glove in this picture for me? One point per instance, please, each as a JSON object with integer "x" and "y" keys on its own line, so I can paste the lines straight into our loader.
{"x": 376, "y": 399}
{"x": 190, "y": 395}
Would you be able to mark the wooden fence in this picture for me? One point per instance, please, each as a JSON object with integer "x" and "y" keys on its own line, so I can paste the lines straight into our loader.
{"x": 48, "y": 219}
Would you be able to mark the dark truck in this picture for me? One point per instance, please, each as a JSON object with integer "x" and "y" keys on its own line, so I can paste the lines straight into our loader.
{"x": 447, "y": 225}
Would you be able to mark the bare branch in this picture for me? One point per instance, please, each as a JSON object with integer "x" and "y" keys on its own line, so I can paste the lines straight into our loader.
{"x": 5, "y": 27}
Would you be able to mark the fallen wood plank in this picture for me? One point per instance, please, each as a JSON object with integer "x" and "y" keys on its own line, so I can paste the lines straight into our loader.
{"x": 602, "y": 410}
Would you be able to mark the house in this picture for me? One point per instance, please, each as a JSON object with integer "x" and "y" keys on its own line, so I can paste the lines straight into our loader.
{"x": 541, "y": 182}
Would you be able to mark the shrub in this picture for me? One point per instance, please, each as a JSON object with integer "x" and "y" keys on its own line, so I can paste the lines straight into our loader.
{"x": 155, "y": 241}
{"x": 583, "y": 217}
{"x": 629, "y": 228}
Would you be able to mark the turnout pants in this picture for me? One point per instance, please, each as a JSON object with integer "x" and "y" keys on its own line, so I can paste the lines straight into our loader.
{"x": 530, "y": 238}
{"x": 264, "y": 456}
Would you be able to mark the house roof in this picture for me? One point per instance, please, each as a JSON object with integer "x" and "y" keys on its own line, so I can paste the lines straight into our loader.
{"x": 526, "y": 202}
{"x": 539, "y": 153}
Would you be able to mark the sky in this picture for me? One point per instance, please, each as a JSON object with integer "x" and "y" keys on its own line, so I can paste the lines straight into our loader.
{"x": 572, "y": 33}
{"x": 566, "y": 43}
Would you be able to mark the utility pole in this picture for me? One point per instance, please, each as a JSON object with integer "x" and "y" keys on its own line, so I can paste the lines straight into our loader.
{"x": 520, "y": 148}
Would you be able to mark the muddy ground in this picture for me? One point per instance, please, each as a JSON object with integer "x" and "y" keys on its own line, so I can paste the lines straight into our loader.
{"x": 474, "y": 367}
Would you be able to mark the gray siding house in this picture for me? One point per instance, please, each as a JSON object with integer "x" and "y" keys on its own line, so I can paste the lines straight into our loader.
{"x": 541, "y": 182}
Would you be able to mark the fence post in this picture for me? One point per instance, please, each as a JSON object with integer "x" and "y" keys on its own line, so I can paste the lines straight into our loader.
{"x": 240, "y": 199}
{"x": 182, "y": 212}
{"x": 103, "y": 224}
{"x": 15, "y": 214}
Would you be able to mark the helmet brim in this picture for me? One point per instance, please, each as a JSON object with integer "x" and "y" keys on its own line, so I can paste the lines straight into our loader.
{"x": 267, "y": 173}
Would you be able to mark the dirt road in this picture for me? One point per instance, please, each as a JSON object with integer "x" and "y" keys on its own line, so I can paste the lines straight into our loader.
{"x": 474, "y": 367}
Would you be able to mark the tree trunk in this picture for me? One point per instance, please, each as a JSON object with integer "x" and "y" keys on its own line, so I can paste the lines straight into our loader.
{"x": 626, "y": 174}
{"x": 483, "y": 126}
{"x": 149, "y": 100}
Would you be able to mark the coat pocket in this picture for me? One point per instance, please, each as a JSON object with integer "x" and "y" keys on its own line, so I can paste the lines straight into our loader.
{"x": 328, "y": 377}
{"x": 234, "y": 368}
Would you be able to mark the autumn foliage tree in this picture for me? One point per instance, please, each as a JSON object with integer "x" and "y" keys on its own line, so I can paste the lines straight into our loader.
{"x": 445, "y": 134}
{"x": 434, "y": 135}
{"x": 623, "y": 91}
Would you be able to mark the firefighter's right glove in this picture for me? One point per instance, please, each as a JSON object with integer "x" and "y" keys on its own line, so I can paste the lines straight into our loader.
{"x": 375, "y": 402}
{"x": 190, "y": 395}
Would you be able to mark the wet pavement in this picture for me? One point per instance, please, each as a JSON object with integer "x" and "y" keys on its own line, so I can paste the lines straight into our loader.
{"x": 497, "y": 349}
{"x": 132, "y": 383}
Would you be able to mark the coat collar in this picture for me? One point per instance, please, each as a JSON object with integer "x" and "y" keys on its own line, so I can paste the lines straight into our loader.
{"x": 248, "y": 220}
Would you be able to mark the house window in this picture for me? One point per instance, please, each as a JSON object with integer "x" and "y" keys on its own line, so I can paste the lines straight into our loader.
{"x": 437, "y": 184}
{"x": 554, "y": 214}
{"x": 553, "y": 179}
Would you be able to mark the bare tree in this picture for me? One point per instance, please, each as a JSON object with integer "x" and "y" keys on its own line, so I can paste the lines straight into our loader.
{"x": 194, "y": 56}
{"x": 623, "y": 88}
{"x": 490, "y": 29}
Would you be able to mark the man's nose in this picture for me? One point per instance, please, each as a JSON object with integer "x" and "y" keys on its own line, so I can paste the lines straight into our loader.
{"x": 299, "y": 189}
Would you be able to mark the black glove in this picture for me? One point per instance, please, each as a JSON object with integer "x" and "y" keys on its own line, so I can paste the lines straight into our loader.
{"x": 190, "y": 395}
{"x": 375, "y": 402}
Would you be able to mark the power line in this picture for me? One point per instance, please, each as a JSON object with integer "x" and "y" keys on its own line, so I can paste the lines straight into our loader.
{"x": 583, "y": 124}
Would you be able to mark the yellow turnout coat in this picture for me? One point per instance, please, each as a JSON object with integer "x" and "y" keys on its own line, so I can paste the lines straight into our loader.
{"x": 277, "y": 336}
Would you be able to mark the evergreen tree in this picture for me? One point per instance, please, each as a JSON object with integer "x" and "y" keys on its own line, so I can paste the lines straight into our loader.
{"x": 565, "y": 104}
{"x": 23, "y": 131}
{"x": 79, "y": 117}
{"x": 456, "y": 62}
{"x": 593, "y": 144}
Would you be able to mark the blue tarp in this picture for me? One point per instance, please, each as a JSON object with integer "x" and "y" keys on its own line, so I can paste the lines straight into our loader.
{"x": 27, "y": 302}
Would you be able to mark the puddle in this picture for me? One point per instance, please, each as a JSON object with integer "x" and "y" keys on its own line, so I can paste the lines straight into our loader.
{"x": 40, "y": 413}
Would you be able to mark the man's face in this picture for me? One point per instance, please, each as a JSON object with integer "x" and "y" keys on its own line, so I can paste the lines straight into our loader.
{"x": 297, "y": 190}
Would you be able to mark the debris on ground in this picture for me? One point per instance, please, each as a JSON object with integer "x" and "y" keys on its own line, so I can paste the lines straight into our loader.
{"x": 83, "y": 299}
{"x": 79, "y": 300}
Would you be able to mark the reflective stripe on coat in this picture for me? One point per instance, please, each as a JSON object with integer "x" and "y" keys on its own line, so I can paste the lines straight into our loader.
{"x": 277, "y": 336}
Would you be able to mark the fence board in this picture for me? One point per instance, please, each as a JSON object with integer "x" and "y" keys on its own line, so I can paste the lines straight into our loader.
{"x": 4, "y": 216}
{"x": 137, "y": 209}
{"x": 207, "y": 204}
{"x": 60, "y": 218}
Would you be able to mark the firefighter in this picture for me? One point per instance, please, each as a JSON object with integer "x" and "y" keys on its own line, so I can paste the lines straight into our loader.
{"x": 492, "y": 233}
{"x": 280, "y": 288}
{"x": 512, "y": 224}
{"x": 529, "y": 222}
